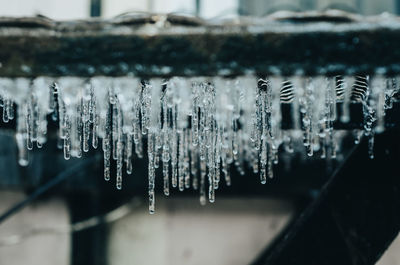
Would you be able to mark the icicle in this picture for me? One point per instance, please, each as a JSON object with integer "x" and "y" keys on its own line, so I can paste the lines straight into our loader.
{"x": 377, "y": 102}
{"x": 211, "y": 189}
{"x": 67, "y": 134}
{"x": 145, "y": 107}
{"x": 217, "y": 165}
{"x": 114, "y": 127}
{"x": 174, "y": 157}
{"x": 128, "y": 154}
{"x": 203, "y": 172}
{"x": 86, "y": 135}
{"x": 8, "y": 110}
{"x": 120, "y": 145}
{"x": 307, "y": 116}
{"x": 95, "y": 140}
{"x": 153, "y": 111}
{"x": 21, "y": 136}
{"x": 263, "y": 162}
{"x": 29, "y": 124}
{"x": 150, "y": 152}
{"x": 107, "y": 142}
{"x": 76, "y": 133}
{"x": 193, "y": 167}
{"x": 181, "y": 180}
{"x": 195, "y": 114}
{"x": 166, "y": 178}
{"x": 92, "y": 104}
{"x": 165, "y": 156}
{"x": 119, "y": 165}
{"x": 5, "y": 114}
{"x": 53, "y": 101}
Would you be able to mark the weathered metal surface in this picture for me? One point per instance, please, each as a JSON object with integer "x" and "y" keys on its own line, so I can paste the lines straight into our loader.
{"x": 167, "y": 45}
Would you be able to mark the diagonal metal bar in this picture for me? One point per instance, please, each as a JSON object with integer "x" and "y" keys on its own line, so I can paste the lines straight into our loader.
{"x": 354, "y": 218}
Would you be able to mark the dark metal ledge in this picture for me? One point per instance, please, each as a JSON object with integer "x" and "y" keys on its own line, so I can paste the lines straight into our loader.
{"x": 327, "y": 43}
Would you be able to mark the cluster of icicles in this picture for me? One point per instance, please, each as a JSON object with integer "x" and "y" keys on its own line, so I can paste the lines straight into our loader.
{"x": 196, "y": 128}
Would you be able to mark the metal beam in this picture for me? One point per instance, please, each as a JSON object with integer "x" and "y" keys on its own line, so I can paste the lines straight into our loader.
{"x": 327, "y": 43}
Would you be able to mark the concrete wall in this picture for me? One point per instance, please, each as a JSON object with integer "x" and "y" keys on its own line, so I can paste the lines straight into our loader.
{"x": 33, "y": 236}
{"x": 230, "y": 231}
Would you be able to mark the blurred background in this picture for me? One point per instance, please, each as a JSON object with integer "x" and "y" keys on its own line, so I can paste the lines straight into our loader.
{"x": 86, "y": 221}
{"x": 78, "y": 9}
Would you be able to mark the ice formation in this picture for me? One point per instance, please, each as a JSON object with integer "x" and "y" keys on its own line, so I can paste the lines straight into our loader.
{"x": 195, "y": 128}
